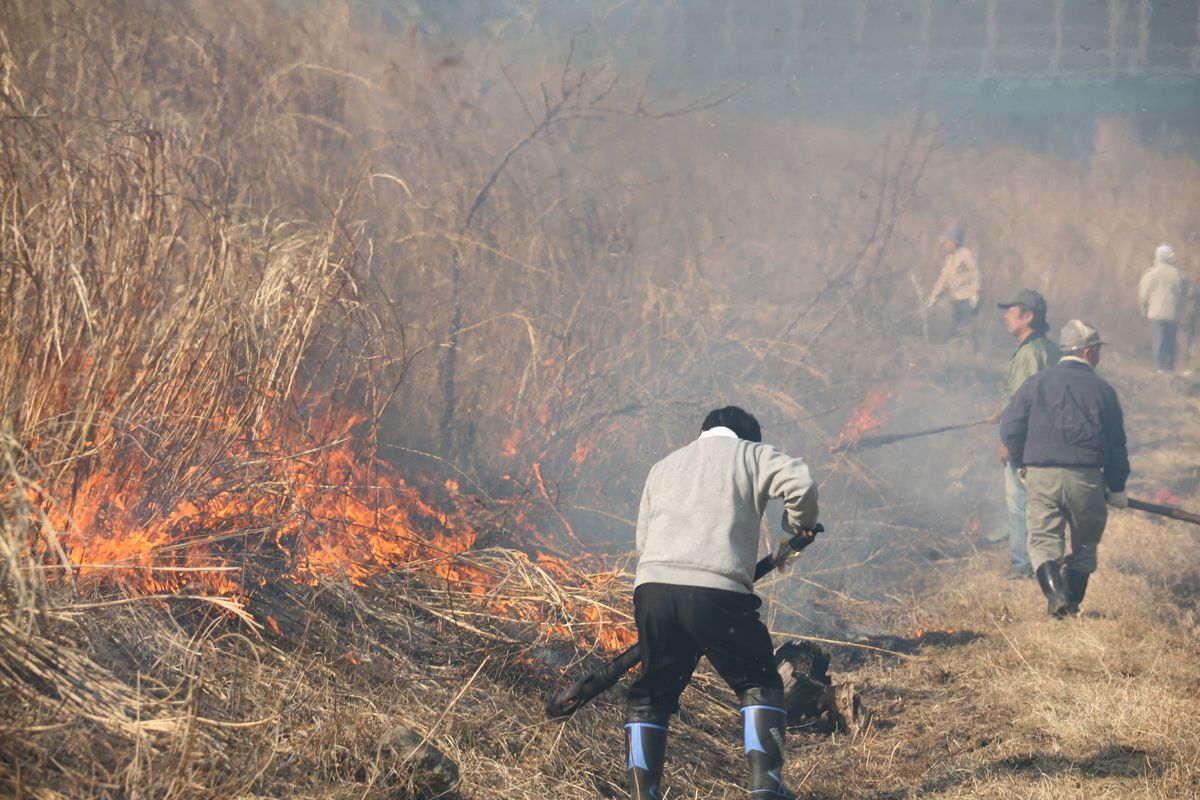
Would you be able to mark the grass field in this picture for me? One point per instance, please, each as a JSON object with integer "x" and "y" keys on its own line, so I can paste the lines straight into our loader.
{"x": 332, "y": 363}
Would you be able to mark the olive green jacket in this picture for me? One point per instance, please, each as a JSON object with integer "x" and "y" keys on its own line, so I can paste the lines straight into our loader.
{"x": 1031, "y": 357}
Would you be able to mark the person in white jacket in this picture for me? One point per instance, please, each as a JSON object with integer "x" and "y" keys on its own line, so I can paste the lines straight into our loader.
{"x": 961, "y": 281}
{"x": 1161, "y": 293}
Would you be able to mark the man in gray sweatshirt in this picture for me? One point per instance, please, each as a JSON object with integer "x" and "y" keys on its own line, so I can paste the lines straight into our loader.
{"x": 697, "y": 543}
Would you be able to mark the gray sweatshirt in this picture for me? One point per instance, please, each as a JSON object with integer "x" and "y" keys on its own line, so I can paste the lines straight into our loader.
{"x": 702, "y": 505}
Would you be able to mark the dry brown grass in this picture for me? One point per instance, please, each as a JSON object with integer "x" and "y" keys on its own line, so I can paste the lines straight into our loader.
{"x": 211, "y": 220}
{"x": 1101, "y": 706}
{"x": 1011, "y": 705}
{"x": 180, "y": 705}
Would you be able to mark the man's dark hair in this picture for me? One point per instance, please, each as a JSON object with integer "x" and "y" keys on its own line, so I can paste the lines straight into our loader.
{"x": 738, "y": 420}
{"x": 1038, "y": 323}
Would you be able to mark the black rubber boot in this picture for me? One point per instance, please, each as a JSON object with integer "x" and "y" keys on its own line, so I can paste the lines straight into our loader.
{"x": 764, "y": 721}
{"x": 645, "y": 751}
{"x": 1076, "y": 588}
{"x": 1053, "y": 587}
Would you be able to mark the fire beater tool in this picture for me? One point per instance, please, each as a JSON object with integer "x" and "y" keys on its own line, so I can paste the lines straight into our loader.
{"x": 1166, "y": 511}
{"x": 889, "y": 438}
{"x": 604, "y": 677}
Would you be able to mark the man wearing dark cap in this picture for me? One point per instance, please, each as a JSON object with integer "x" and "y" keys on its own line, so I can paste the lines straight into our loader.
{"x": 1025, "y": 319}
{"x": 1065, "y": 433}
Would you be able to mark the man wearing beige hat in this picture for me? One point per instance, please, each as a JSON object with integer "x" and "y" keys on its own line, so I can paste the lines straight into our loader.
{"x": 1065, "y": 431}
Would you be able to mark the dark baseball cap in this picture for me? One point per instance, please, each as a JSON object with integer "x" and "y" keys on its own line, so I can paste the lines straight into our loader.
{"x": 1030, "y": 300}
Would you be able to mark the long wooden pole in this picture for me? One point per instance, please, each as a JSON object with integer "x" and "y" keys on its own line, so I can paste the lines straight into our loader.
{"x": 889, "y": 438}
{"x": 1165, "y": 511}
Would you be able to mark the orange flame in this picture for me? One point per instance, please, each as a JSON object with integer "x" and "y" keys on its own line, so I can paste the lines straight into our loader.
{"x": 331, "y": 514}
{"x": 305, "y": 503}
{"x": 866, "y": 418}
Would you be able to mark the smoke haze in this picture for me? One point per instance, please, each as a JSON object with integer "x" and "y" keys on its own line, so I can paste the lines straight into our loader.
{"x": 582, "y": 225}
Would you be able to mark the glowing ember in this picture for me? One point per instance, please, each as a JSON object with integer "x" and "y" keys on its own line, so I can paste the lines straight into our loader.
{"x": 866, "y": 418}
{"x": 1166, "y": 497}
{"x": 924, "y": 631}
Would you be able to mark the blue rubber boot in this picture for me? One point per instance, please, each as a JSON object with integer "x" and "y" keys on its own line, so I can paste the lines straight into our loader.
{"x": 645, "y": 751}
{"x": 764, "y": 721}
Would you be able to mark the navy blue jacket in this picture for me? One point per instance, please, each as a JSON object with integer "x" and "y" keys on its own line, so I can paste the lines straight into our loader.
{"x": 1067, "y": 416}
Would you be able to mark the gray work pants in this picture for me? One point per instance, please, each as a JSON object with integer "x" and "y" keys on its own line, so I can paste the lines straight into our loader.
{"x": 1062, "y": 497}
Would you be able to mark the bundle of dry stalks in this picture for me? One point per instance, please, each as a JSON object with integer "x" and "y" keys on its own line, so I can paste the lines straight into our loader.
{"x": 162, "y": 298}
{"x": 168, "y": 295}
{"x": 36, "y": 671}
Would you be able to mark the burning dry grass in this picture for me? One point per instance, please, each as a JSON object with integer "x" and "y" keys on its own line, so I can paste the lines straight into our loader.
{"x": 138, "y": 699}
{"x": 142, "y": 697}
{"x": 203, "y": 268}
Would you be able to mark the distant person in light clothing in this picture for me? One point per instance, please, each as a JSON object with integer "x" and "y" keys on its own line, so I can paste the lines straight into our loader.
{"x": 1161, "y": 294}
{"x": 1065, "y": 432}
{"x": 1025, "y": 319}
{"x": 960, "y": 280}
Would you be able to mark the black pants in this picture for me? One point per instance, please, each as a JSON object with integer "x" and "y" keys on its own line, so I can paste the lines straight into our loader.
{"x": 678, "y": 624}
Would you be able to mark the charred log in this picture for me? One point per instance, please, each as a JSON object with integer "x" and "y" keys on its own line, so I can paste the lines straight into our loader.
{"x": 810, "y": 696}
{"x": 804, "y": 668}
